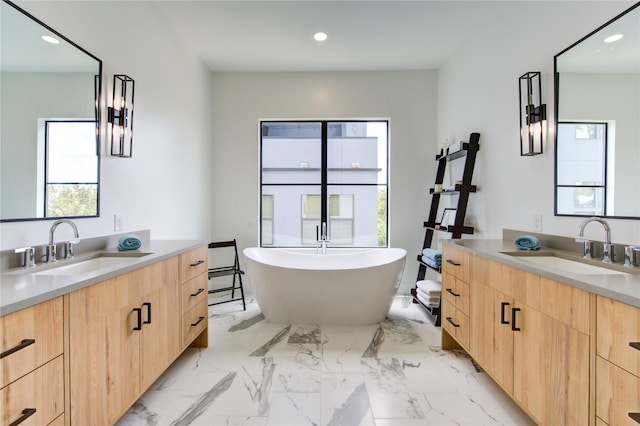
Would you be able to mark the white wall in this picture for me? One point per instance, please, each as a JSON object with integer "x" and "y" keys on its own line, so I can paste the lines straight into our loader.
{"x": 165, "y": 187}
{"x": 478, "y": 91}
{"x": 240, "y": 100}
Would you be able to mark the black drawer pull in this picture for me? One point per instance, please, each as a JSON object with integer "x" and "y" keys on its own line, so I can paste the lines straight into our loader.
{"x": 199, "y": 262}
{"x": 503, "y": 320}
{"x": 139, "y": 322}
{"x": 26, "y": 413}
{"x": 200, "y": 290}
{"x": 197, "y": 322}
{"x": 635, "y": 345}
{"x": 451, "y": 291}
{"x": 635, "y": 417}
{"x": 148, "y": 305}
{"x": 453, "y": 323}
{"x": 451, "y": 262}
{"x": 513, "y": 319}
{"x": 23, "y": 344}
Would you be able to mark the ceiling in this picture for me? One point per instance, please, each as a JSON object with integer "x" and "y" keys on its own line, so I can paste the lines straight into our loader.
{"x": 363, "y": 35}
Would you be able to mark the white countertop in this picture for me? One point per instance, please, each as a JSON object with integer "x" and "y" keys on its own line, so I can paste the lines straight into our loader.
{"x": 621, "y": 287}
{"x": 21, "y": 289}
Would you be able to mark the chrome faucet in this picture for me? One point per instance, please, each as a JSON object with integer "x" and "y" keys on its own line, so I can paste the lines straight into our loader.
{"x": 323, "y": 241}
{"x": 607, "y": 247}
{"x": 51, "y": 251}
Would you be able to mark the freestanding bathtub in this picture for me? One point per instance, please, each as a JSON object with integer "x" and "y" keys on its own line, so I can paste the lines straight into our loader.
{"x": 298, "y": 286}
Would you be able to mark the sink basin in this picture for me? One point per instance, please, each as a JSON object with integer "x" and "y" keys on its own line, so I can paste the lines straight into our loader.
{"x": 572, "y": 266}
{"x": 103, "y": 261}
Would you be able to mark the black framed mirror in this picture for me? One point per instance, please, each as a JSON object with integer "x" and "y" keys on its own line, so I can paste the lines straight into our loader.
{"x": 597, "y": 116}
{"x": 50, "y": 122}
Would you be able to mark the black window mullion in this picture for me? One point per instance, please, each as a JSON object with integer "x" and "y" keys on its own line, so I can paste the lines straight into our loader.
{"x": 323, "y": 174}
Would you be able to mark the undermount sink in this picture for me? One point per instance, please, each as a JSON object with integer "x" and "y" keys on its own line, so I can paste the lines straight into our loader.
{"x": 102, "y": 261}
{"x": 571, "y": 266}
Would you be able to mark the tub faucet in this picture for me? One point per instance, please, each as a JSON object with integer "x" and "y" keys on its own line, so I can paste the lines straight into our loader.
{"x": 51, "y": 252}
{"x": 323, "y": 241}
{"x": 607, "y": 247}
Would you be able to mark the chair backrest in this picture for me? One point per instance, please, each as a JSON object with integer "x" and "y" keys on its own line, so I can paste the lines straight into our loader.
{"x": 231, "y": 243}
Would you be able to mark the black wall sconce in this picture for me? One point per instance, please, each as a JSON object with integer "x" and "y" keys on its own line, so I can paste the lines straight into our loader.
{"x": 533, "y": 114}
{"x": 120, "y": 116}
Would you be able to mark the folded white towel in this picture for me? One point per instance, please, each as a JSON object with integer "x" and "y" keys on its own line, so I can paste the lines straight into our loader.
{"x": 430, "y": 286}
{"x": 429, "y": 297}
{"x": 428, "y": 301}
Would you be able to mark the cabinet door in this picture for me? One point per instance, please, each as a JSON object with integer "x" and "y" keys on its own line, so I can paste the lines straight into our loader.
{"x": 551, "y": 369}
{"x": 618, "y": 335}
{"x": 492, "y": 341}
{"x": 104, "y": 354}
{"x": 160, "y": 304}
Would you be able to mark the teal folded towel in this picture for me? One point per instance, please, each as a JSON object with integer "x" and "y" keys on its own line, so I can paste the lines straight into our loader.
{"x": 432, "y": 254}
{"x": 431, "y": 262}
{"x": 527, "y": 242}
{"x": 129, "y": 242}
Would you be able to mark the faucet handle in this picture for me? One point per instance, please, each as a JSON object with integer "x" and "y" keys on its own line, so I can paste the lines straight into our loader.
{"x": 69, "y": 250}
{"x": 29, "y": 257}
{"x": 587, "y": 247}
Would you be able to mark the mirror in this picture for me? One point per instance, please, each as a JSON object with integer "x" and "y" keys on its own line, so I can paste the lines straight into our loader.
{"x": 49, "y": 128}
{"x": 597, "y": 89}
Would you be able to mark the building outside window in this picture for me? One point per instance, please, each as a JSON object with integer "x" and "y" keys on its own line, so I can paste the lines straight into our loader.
{"x": 334, "y": 172}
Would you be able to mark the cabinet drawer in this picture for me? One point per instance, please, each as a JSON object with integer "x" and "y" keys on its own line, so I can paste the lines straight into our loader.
{"x": 193, "y": 263}
{"x": 617, "y": 394}
{"x": 456, "y": 292}
{"x": 35, "y": 336}
{"x": 456, "y": 263}
{"x": 193, "y": 292}
{"x": 41, "y": 390}
{"x": 456, "y": 323}
{"x": 618, "y": 334}
{"x": 193, "y": 322}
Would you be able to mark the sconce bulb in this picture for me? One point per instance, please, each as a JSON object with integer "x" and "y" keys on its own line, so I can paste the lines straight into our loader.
{"x": 50, "y": 39}
{"x": 613, "y": 37}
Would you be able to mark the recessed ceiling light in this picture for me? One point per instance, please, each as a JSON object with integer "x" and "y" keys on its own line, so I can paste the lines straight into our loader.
{"x": 612, "y": 38}
{"x": 320, "y": 36}
{"x": 50, "y": 39}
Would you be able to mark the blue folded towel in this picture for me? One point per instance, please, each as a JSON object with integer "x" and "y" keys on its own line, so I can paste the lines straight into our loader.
{"x": 527, "y": 242}
{"x": 433, "y": 254}
{"x": 431, "y": 262}
{"x": 129, "y": 242}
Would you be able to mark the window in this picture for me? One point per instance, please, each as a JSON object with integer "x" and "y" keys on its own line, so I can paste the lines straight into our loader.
{"x": 71, "y": 169}
{"x": 267, "y": 220}
{"x": 324, "y": 172}
{"x": 581, "y": 169}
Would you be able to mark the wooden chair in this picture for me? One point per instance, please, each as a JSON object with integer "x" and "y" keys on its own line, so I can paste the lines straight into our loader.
{"x": 234, "y": 270}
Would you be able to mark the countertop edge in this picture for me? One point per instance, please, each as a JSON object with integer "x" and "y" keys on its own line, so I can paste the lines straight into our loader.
{"x": 487, "y": 249}
{"x": 13, "y": 286}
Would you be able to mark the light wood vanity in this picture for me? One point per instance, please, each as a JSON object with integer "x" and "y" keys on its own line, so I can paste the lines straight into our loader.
{"x": 84, "y": 357}
{"x": 566, "y": 355}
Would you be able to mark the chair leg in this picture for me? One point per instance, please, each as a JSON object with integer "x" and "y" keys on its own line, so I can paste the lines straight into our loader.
{"x": 244, "y": 304}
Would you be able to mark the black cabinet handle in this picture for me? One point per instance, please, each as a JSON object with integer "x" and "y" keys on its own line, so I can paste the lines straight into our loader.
{"x": 451, "y": 262}
{"x": 139, "y": 312}
{"x": 197, "y": 322}
{"x": 502, "y": 313}
{"x": 26, "y": 413}
{"x": 635, "y": 417}
{"x": 453, "y": 323}
{"x": 200, "y": 290}
{"x": 23, "y": 344}
{"x": 513, "y": 319}
{"x": 635, "y": 345}
{"x": 199, "y": 262}
{"x": 451, "y": 291}
{"x": 148, "y": 305}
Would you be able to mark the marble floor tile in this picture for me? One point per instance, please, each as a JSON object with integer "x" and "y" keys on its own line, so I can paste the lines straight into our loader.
{"x": 255, "y": 373}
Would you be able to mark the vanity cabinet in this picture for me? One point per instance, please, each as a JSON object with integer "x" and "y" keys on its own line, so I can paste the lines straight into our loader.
{"x": 32, "y": 372}
{"x": 124, "y": 332}
{"x": 531, "y": 335}
{"x": 194, "y": 287}
{"x": 617, "y": 363}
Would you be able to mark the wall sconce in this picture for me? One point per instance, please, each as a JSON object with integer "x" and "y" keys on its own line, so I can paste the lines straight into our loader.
{"x": 533, "y": 114}
{"x": 120, "y": 116}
